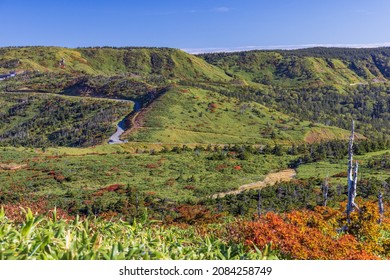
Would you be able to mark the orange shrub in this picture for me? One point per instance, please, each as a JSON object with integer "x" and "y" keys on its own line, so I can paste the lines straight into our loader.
{"x": 301, "y": 235}
{"x": 365, "y": 227}
{"x": 195, "y": 214}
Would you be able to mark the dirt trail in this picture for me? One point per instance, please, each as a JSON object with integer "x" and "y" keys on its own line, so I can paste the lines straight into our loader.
{"x": 12, "y": 166}
{"x": 269, "y": 180}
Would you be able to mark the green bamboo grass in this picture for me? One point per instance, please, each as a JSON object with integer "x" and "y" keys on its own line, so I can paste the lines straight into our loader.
{"x": 43, "y": 238}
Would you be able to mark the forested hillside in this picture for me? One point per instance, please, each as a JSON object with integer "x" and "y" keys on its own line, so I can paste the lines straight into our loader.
{"x": 315, "y": 85}
{"x": 221, "y": 156}
{"x": 43, "y": 120}
{"x": 307, "y": 67}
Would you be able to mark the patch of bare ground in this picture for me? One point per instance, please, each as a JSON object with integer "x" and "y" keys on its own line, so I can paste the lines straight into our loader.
{"x": 12, "y": 166}
{"x": 319, "y": 135}
{"x": 270, "y": 180}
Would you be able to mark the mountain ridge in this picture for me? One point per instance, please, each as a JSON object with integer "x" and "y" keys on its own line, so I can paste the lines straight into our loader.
{"x": 326, "y": 86}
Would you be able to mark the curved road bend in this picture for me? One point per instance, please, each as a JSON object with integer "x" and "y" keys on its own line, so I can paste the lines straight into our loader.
{"x": 121, "y": 126}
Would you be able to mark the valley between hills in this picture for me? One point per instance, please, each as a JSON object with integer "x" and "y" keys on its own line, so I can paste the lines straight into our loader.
{"x": 239, "y": 155}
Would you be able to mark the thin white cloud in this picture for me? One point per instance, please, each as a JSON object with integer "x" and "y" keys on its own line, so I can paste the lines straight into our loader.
{"x": 281, "y": 47}
{"x": 168, "y": 13}
{"x": 221, "y": 10}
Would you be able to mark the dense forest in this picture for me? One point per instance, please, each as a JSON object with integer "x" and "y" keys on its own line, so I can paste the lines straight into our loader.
{"x": 46, "y": 120}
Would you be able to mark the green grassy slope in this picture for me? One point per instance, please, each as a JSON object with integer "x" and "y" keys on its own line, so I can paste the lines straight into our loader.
{"x": 311, "y": 67}
{"x": 165, "y": 62}
{"x": 178, "y": 175}
{"x": 308, "y": 67}
{"x": 371, "y": 165}
{"x": 192, "y": 115}
{"x": 315, "y": 84}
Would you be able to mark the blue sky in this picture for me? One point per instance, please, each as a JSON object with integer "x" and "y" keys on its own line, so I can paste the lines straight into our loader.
{"x": 195, "y": 25}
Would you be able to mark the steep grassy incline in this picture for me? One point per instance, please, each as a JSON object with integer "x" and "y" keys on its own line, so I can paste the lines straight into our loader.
{"x": 169, "y": 63}
{"x": 308, "y": 67}
{"x": 193, "y": 115}
{"x": 163, "y": 62}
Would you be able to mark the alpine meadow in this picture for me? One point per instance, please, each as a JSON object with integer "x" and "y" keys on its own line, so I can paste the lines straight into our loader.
{"x": 131, "y": 153}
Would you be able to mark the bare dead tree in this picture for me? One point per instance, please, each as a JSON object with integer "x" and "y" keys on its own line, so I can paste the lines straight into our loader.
{"x": 349, "y": 173}
{"x": 325, "y": 190}
{"x": 380, "y": 206}
{"x": 354, "y": 188}
{"x": 352, "y": 176}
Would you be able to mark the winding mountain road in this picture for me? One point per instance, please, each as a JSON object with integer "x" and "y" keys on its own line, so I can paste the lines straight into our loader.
{"x": 121, "y": 127}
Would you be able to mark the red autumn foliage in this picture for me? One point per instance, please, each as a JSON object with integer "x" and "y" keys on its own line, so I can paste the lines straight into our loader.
{"x": 237, "y": 167}
{"x": 221, "y": 167}
{"x": 302, "y": 235}
{"x": 111, "y": 188}
{"x": 189, "y": 187}
{"x": 59, "y": 178}
{"x": 16, "y": 211}
{"x": 195, "y": 214}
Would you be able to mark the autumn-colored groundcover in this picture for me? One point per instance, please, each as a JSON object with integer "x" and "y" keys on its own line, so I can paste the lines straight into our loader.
{"x": 300, "y": 234}
{"x": 320, "y": 234}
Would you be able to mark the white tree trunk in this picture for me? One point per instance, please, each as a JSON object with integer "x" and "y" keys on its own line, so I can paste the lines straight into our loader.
{"x": 325, "y": 190}
{"x": 354, "y": 188}
{"x": 380, "y": 205}
{"x": 352, "y": 176}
